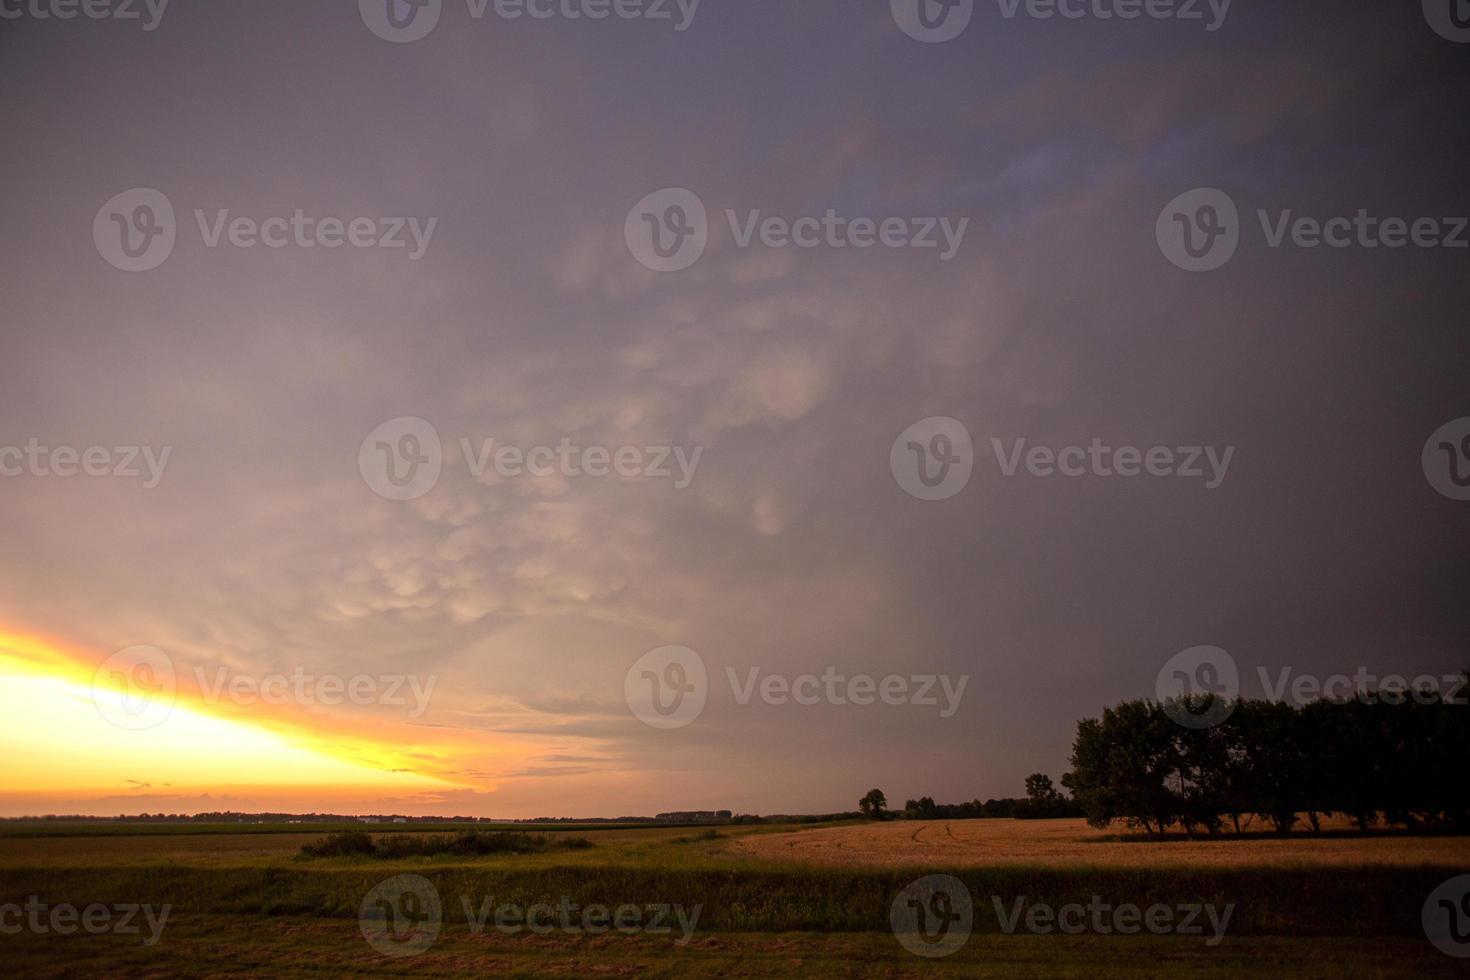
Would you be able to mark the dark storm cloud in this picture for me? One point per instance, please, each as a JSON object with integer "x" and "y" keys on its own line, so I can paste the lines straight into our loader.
{"x": 528, "y": 321}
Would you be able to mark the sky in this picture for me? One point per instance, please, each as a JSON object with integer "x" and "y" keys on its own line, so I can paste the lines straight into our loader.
{"x": 365, "y": 256}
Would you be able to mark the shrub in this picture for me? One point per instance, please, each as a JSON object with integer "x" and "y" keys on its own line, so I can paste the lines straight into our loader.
{"x": 470, "y": 843}
{"x": 352, "y": 843}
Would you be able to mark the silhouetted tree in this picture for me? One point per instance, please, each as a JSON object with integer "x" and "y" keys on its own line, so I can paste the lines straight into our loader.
{"x": 1396, "y": 756}
{"x": 1040, "y": 791}
{"x": 873, "y": 804}
{"x": 1121, "y": 764}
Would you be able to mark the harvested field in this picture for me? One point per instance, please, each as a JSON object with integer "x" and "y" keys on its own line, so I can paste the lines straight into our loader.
{"x": 1073, "y": 844}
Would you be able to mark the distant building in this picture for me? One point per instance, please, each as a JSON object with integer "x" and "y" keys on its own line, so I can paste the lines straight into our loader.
{"x": 400, "y": 820}
{"x": 369, "y": 819}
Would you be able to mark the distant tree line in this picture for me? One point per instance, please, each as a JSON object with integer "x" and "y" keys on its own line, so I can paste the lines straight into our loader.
{"x": 751, "y": 818}
{"x": 694, "y": 816}
{"x": 233, "y": 816}
{"x": 1042, "y": 801}
{"x": 1402, "y": 760}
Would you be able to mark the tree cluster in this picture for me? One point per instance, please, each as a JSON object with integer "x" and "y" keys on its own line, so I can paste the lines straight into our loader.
{"x": 1389, "y": 757}
{"x": 1043, "y": 800}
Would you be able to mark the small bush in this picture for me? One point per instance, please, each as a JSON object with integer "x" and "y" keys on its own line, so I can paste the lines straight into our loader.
{"x": 471, "y": 843}
{"x": 703, "y": 835}
{"x": 352, "y": 843}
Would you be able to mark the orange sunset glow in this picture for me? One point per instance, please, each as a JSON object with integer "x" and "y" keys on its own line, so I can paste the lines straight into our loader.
{"x": 57, "y": 697}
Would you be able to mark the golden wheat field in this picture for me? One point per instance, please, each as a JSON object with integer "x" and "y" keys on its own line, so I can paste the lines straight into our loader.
{"x": 1072, "y": 844}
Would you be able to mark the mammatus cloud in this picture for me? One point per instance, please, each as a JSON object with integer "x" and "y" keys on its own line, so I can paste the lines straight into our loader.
{"x": 528, "y": 321}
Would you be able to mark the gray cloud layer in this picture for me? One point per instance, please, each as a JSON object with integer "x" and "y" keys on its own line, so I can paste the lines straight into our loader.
{"x": 528, "y": 321}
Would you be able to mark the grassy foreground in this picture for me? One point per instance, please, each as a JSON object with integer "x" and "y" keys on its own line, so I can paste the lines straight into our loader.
{"x": 251, "y": 903}
{"x": 1318, "y": 902}
{"x": 220, "y": 946}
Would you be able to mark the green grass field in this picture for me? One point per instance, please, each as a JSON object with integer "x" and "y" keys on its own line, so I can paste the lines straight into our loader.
{"x": 250, "y": 902}
{"x": 299, "y": 947}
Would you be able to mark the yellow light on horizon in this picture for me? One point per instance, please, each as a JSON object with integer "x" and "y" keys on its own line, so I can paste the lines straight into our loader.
{"x": 54, "y": 737}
